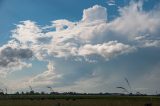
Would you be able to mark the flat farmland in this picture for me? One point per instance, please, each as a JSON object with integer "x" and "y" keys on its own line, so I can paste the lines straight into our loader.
{"x": 77, "y": 100}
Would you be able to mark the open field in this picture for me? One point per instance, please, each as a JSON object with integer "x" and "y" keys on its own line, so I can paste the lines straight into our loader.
{"x": 87, "y": 100}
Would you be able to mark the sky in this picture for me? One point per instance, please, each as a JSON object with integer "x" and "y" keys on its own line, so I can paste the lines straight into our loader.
{"x": 80, "y": 45}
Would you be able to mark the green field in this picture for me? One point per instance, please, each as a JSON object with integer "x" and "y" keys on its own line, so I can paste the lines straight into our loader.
{"x": 77, "y": 100}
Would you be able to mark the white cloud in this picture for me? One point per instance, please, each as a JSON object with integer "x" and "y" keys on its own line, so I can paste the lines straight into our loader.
{"x": 68, "y": 37}
{"x": 12, "y": 58}
{"x": 94, "y": 13}
{"x": 62, "y": 24}
{"x": 151, "y": 43}
{"x": 134, "y": 22}
{"x": 111, "y": 2}
{"x": 26, "y": 32}
{"x": 48, "y": 77}
{"x": 106, "y": 50}
{"x": 92, "y": 35}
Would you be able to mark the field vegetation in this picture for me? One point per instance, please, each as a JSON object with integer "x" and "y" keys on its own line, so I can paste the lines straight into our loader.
{"x": 78, "y": 100}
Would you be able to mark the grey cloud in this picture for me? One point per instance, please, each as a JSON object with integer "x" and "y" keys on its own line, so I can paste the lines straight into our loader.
{"x": 16, "y": 53}
{"x": 9, "y": 55}
{"x": 44, "y": 39}
{"x": 133, "y": 30}
{"x": 66, "y": 42}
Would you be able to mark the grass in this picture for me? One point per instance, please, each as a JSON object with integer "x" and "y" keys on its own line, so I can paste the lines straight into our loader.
{"x": 76, "y": 100}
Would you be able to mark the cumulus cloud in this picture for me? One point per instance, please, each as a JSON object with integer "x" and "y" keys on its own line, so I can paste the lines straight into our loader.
{"x": 48, "y": 77}
{"x": 12, "y": 58}
{"x": 68, "y": 37}
{"x": 93, "y": 35}
{"x": 136, "y": 23}
{"x": 94, "y": 13}
{"x": 62, "y": 24}
{"x": 26, "y": 32}
{"x": 106, "y": 50}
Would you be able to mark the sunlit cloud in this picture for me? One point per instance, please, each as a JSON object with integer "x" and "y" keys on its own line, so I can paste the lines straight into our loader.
{"x": 83, "y": 40}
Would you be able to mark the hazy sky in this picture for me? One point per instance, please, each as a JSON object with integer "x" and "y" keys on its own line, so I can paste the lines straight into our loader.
{"x": 80, "y": 45}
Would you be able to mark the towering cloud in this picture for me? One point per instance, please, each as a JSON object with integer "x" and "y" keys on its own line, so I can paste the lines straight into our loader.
{"x": 48, "y": 77}
{"x": 94, "y": 13}
{"x": 12, "y": 58}
{"x": 92, "y": 36}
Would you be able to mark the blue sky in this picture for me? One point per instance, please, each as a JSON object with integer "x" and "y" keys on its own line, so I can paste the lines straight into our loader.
{"x": 86, "y": 46}
{"x": 45, "y": 11}
{"x": 12, "y": 12}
